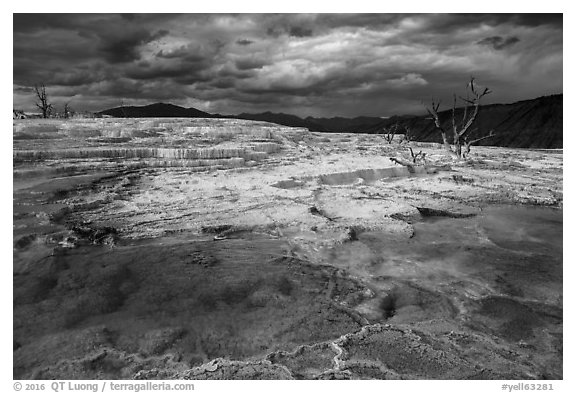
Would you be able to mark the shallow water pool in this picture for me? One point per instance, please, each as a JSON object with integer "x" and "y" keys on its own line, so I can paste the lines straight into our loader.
{"x": 452, "y": 266}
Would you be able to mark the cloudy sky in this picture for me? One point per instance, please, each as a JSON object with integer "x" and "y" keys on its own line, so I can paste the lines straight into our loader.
{"x": 304, "y": 64}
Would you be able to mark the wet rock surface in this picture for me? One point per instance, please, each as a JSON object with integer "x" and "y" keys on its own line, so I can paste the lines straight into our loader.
{"x": 227, "y": 249}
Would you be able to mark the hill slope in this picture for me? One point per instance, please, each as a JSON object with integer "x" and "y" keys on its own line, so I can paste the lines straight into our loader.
{"x": 343, "y": 124}
{"x": 155, "y": 110}
{"x": 533, "y": 123}
{"x": 284, "y": 119}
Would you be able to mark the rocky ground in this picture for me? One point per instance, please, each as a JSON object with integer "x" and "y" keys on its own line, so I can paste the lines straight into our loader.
{"x": 215, "y": 248}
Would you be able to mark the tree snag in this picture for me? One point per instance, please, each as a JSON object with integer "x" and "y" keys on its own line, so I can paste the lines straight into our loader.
{"x": 123, "y": 109}
{"x": 67, "y": 110}
{"x": 417, "y": 159}
{"x": 418, "y": 156}
{"x": 461, "y": 128}
{"x": 42, "y": 103}
{"x": 407, "y": 135}
{"x": 390, "y": 132}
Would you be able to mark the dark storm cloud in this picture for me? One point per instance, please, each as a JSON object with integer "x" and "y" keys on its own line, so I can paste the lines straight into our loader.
{"x": 129, "y": 17}
{"x": 497, "y": 42}
{"x": 229, "y": 70}
{"x": 249, "y": 63}
{"x": 281, "y": 25}
{"x": 324, "y": 64}
{"x": 46, "y": 47}
{"x": 182, "y": 71}
{"x": 151, "y": 73}
{"x": 38, "y": 22}
{"x": 173, "y": 54}
{"x": 298, "y": 31}
{"x": 274, "y": 32}
{"x": 454, "y": 22}
{"x": 433, "y": 23}
{"x": 76, "y": 78}
{"x": 244, "y": 42}
{"x": 530, "y": 20}
{"x": 219, "y": 83}
{"x": 359, "y": 20}
{"x": 190, "y": 53}
{"x": 124, "y": 47}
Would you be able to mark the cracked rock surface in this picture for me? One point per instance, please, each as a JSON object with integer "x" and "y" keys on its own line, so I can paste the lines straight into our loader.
{"x": 229, "y": 249}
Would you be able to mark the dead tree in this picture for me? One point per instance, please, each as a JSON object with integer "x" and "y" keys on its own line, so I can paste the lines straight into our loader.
{"x": 123, "y": 109}
{"x": 67, "y": 110}
{"x": 407, "y": 134}
{"x": 461, "y": 128}
{"x": 418, "y": 156}
{"x": 417, "y": 160}
{"x": 42, "y": 103}
{"x": 402, "y": 162}
{"x": 390, "y": 132}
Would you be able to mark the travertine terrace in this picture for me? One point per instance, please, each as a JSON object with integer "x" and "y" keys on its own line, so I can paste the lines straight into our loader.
{"x": 219, "y": 248}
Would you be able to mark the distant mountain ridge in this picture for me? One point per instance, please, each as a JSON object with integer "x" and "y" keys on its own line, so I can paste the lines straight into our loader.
{"x": 535, "y": 123}
{"x": 283, "y": 119}
{"x": 155, "y": 110}
{"x": 343, "y": 124}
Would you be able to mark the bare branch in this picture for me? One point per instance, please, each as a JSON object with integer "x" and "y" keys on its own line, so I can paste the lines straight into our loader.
{"x": 480, "y": 139}
{"x": 465, "y": 114}
{"x": 472, "y": 85}
{"x": 418, "y": 156}
{"x": 389, "y": 132}
{"x": 404, "y": 163}
{"x": 467, "y": 100}
{"x": 407, "y": 135}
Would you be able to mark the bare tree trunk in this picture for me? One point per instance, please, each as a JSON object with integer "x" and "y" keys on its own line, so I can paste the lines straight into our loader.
{"x": 43, "y": 104}
{"x": 390, "y": 132}
{"x": 434, "y": 113}
{"x": 67, "y": 110}
{"x": 458, "y": 149}
{"x": 446, "y": 144}
{"x": 123, "y": 109}
{"x": 407, "y": 134}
